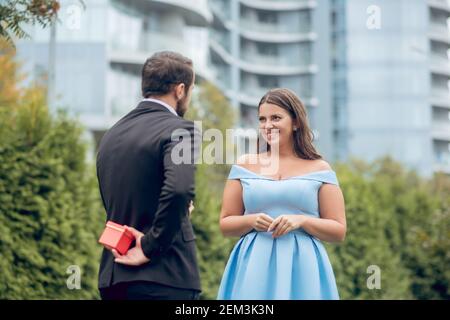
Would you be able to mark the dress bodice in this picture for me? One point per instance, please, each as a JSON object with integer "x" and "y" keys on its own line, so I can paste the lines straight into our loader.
{"x": 293, "y": 195}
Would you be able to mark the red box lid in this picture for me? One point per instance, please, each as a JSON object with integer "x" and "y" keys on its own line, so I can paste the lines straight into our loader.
{"x": 119, "y": 227}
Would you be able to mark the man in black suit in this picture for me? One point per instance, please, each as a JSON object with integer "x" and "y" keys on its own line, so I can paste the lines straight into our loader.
{"x": 145, "y": 169}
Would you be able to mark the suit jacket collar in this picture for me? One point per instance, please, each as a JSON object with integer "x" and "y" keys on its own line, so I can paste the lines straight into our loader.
{"x": 153, "y": 105}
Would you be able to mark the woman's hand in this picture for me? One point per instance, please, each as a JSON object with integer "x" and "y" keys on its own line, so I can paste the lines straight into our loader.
{"x": 286, "y": 223}
{"x": 261, "y": 222}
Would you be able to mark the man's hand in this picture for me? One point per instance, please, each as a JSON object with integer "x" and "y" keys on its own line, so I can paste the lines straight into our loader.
{"x": 135, "y": 256}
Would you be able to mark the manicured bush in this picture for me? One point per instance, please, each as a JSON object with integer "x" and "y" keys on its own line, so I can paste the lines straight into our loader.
{"x": 50, "y": 215}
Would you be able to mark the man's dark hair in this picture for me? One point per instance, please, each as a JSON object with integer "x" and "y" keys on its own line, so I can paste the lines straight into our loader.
{"x": 164, "y": 70}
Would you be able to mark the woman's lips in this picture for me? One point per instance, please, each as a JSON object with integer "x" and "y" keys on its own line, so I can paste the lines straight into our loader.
{"x": 270, "y": 134}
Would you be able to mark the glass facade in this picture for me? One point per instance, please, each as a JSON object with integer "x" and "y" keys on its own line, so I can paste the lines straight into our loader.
{"x": 384, "y": 81}
{"x": 100, "y": 51}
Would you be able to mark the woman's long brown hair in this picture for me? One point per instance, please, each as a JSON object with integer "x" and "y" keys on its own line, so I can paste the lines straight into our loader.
{"x": 303, "y": 136}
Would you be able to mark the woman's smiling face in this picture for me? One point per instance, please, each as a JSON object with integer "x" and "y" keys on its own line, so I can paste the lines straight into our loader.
{"x": 272, "y": 120}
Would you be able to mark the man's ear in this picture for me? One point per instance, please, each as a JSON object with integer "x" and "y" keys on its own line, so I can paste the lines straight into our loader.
{"x": 179, "y": 91}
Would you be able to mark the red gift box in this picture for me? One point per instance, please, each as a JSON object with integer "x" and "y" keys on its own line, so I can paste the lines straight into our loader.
{"x": 116, "y": 236}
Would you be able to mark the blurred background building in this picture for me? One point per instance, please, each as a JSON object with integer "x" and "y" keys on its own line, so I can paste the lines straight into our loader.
{"x": 370, "y": 89}
{"x": 439, "y": 95}
{"x": 100, "y": 51}
{"x": 391, "y": 84}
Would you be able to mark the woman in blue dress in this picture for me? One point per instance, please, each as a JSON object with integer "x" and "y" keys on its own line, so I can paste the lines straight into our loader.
{"x": 282, "y": 203}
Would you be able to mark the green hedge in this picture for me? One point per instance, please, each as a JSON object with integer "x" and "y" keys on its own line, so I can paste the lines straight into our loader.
{"x": 399, "y": 222}
{"x": 50, "y": 216}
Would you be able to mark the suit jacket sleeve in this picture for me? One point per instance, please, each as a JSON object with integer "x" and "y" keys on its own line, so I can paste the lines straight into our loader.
{"x": 177, "y": 191}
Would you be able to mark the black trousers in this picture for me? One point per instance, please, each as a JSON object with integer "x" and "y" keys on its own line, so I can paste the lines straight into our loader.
{"x": 145, "y": 290}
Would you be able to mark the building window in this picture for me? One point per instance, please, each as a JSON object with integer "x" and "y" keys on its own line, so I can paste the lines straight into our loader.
{"x": 249, "y": 116}
{"x": 305, "y": 21}
{"x": 267, "y": 17}
{"x": 334, "y": 18}
{"x": 268, "y": 82}
{"x": 267, "y": 49}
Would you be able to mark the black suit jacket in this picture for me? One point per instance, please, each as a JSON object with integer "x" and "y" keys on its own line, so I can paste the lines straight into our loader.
{"x": 143, "y": 187}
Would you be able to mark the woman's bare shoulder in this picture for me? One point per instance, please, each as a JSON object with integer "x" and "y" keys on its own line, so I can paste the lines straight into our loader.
{"x": 322, "y": 165}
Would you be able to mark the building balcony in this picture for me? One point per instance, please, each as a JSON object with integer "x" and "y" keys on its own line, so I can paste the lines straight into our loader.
{"x": 260, "y": 67}
{"x": 439, "y": 32}
{"x": 221, "y": 38}
{"x": 440, "y": 64}
{"x": 440, "y": 98}
{"x": 222, "y": 51}
{"x": 195, "y": 12}
{"x": 221, "y": 75}
{"x": 277, "y": 37}
{"x": 275, "y": 61}
{"x": 222, "y": 11}
{"x": 251, "y": 96}
{"x": 280, "y": 28}
{"x": 274, "y": 33}
{"x": 279, "y": 5}
{"x": 276, "y": 70}
{"x": 137, "y": 52}
{"x": 441, "y": 130}
{"x": 439, "y": 4}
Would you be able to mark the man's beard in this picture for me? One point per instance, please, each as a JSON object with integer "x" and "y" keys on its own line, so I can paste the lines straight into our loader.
{"x": 181, "y": 107}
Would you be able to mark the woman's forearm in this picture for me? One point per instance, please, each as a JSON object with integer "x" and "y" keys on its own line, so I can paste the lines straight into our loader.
{"x": 236, "y": 226}
{"x": 325, "y": 229}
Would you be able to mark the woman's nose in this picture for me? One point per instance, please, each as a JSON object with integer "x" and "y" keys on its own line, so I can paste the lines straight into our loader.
{"x": 268, "y": 125}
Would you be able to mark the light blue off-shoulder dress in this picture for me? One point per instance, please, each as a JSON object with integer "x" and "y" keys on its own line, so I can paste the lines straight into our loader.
{"x": 292, "y": 267}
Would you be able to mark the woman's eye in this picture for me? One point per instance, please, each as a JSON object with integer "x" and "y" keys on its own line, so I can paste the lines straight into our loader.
{"x": 261, "y": 119}
{"x": 276, "y": 118}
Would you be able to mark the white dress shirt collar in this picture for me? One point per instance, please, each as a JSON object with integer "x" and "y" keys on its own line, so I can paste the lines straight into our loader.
{"x": 170, "y": 108}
